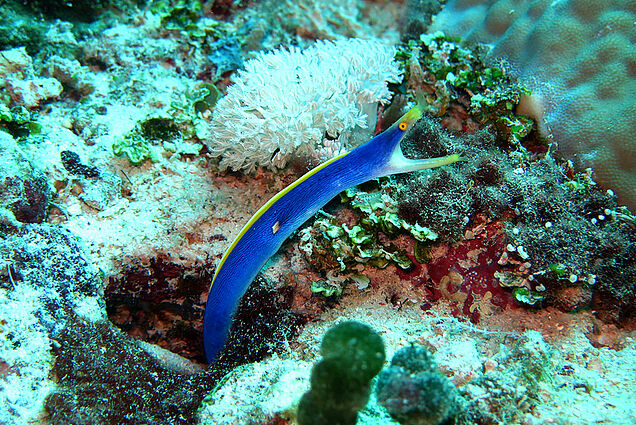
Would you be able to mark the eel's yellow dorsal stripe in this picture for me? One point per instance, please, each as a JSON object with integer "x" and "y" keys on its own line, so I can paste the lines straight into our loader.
{"x": 267, "y": 205}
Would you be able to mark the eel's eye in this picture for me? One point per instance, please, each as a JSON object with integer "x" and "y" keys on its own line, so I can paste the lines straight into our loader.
{"x": 402, "y": 126}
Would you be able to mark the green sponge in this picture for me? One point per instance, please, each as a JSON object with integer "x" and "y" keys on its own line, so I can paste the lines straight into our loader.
{"x": 414, "y": 392}
{"x": 353, "y": 354}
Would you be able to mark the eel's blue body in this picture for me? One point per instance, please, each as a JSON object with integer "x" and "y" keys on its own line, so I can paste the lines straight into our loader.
{"x": 265, "y": 232}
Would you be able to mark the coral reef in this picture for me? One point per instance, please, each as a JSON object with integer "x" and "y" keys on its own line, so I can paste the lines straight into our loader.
{"x": 157, "y": 303}
{"x": 512, "y": 210}
{"x": 265, "y": 323}
{"x": 45, "y": 255}
{"x": 73, "y": 76}
{"x": 513, "y": 268}
{"x": 512, "y": 393}
{"x": 320, "y": 19}
{"x": 160, "y": 303}
{"x": 577, "y": 57}
{"x": 551, "y": 218}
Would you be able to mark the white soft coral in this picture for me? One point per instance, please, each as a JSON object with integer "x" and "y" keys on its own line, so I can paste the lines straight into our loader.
{"x": 291, "y": 103}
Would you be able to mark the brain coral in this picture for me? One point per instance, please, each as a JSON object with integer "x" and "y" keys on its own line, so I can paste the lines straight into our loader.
{"x": 300, "y": 103}
{"x": 578, "y": 58}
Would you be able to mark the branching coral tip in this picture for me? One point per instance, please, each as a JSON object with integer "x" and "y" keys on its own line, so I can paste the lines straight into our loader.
{"x": 264, "y": 233}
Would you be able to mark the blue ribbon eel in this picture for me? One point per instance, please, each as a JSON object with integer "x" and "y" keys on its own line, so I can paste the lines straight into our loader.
{"x": 265, "y": 232}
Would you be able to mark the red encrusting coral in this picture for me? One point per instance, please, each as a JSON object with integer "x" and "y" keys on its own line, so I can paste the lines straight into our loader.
{"x": 464, "y": 273}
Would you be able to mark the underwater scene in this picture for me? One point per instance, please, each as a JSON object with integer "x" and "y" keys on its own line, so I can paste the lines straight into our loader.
{"x": 320, "y": 212}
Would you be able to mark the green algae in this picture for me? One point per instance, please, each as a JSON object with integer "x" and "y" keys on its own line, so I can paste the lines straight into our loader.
{"x": 150, "y": 138}
{"x": 18, "y": 121}
{"x": 339, "y": 245}
{"x": 326, "y": 288}
{"x": 352, "y": 354}
{"x": 136, "y": 148}
{"x": 443, "y": 70}
{"x": 527, "y": 297}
